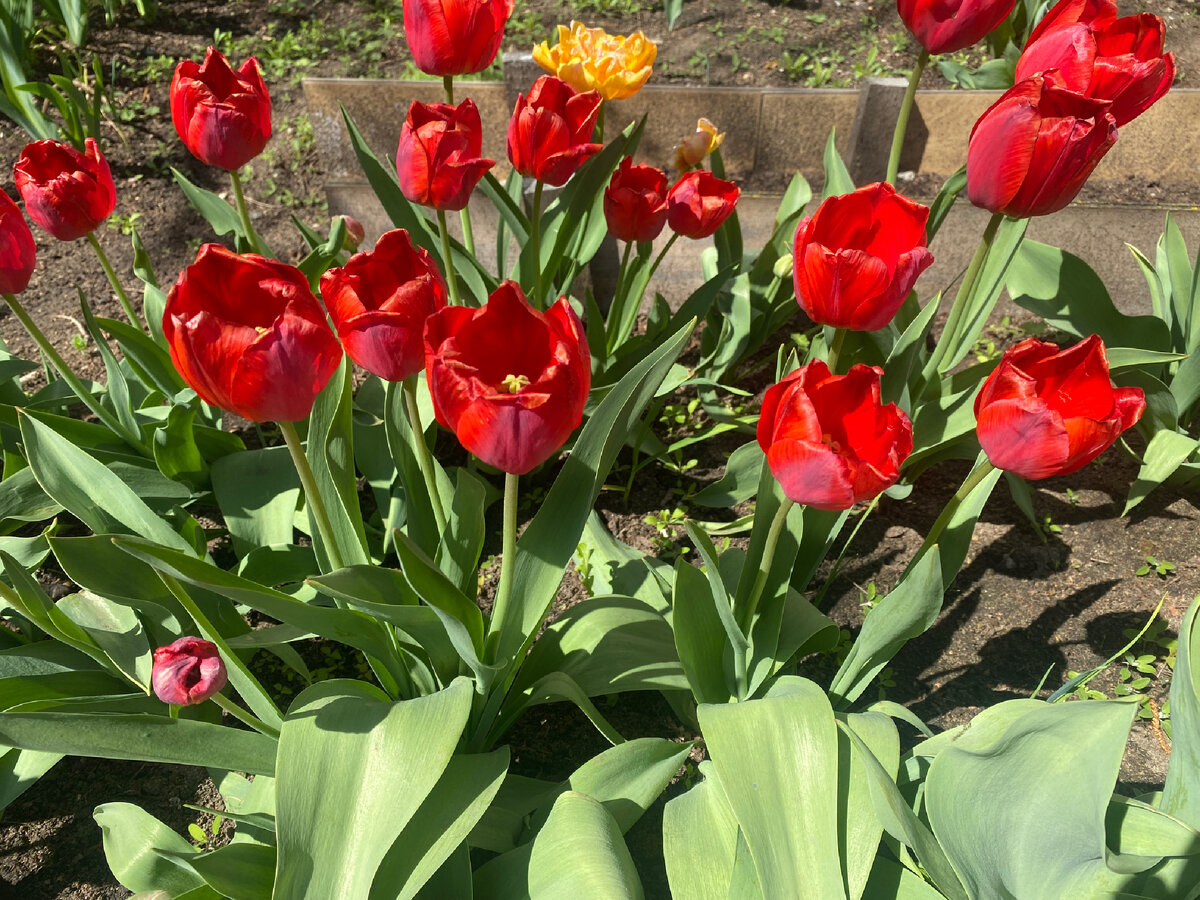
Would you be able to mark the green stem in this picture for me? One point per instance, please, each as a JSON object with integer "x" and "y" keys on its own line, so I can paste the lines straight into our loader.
{"x": 616, "y": 312}
{"x": 977, "y": 476}
{"x": 764, "y": 566}
{"x": 835, "y": 349}
{"x": 424, "y": 460}
{"x": 448, "y": 86}
{"x": 535, "y": 240}
{"x": 122, "y": 297}
{"x": 637, "y": 301}
{"x": 243, "y": 716}
{"x": 244, "y": 212}
{"x": 963, "y": 297}
{"x": 448, "y": 260}
{"x": 837, "y": 563}
{"x": 906, "y": 106}
{"x": 508, "y": 554}
{"x": 312, "y": 495}
{"x": 464, "y": 216}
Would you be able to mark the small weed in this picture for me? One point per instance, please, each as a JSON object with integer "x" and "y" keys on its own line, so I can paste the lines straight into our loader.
{"x": 871, "y": 596}
{"x": 202, "y": 837}
{"x": 79, "y": 342}
{"x": 125, "y": 223}
{"x": 1072, "y": 497}
{"x": 667, "y": 524}
{"x": 1048, "y": 527}
{"x": 583, "y": 567}
{"x": 816, "y": 18}
{"x": 1162, "y": 568}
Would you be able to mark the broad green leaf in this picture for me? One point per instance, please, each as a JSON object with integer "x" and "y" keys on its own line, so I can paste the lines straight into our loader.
{"x": 1181, "y": 794}
{"x": 241, "y": 871}
{"x": 700, "y": 836}
{"x": 891, "y": 881}
{"x": 580, "y": 855}
{"x": 116, "y": 630}
{"x": 21, "y": 769}
{"x": 629, "y": 777}
{"x": 220, "y": 215}
{"x": 175, "y": 449}
{"x": 23, "y": 500}
{"x": 132, "y": 841}
{"x": 1165, "y": 453}
{"x": 859, "y": 830}
{"x": 702, "y": 637}
{"x": 330, "y": 451}
{"x": 837, "y": 176}
{"x": 739, "y": 482}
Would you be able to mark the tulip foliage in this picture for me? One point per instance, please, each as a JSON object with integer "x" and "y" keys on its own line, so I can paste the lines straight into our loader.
{"x": 355, "y": 511}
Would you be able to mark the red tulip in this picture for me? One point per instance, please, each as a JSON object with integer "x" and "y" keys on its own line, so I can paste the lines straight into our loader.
{"x": 247, "y": 334}
{"x": 943, "y": 26}
{"x": 550, "y": 133}
{"x": 829, "y": 440}
{"x": 187, "y": 672}
{"x": 508, "y": 380}
{"x": 1033, "y": 149}
{"x": 66, "y": 192}
{"x": 379, "y": 302}
{"x": 635, "y": 202}
{"x": 857, "y": 257}
{"x": 699, "y": 203}
{"x": 1045, "y": 411}
{"x": 18, "y": 253}
{"x": 1102, "y": 56}
{"x": 438, "y": 161}
{"x": 222, "y": 115}
{"x": 455, "y": 37}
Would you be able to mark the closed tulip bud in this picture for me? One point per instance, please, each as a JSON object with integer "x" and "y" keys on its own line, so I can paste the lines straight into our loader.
{"x": 18, "y": 253}
{"x": 438, "y": 162}
{"x": 222, "y": 114}
{"x": 944, "y": 26}
{"x": 455, "y": 37}
{"x": 1046, "y": 411}
{"x": 1033, "y": 149}
{"x": 590, "y": 59}
{"x": 187, "y": 672}
{"x": 858, "y": 256}
{"x": 635, "y": 202}
{"x": 550, "y": 133}
{"x": 379, "y": 302}
{"x": 693, "y": 149}
{"x": 699, "y": 203}
{"x": 509, "y": 381}
{"x": 829, "y": 440}
{"x": 247, "y": 334}
{"x": 355, "y": 233}
{"x": 67, "y": 193}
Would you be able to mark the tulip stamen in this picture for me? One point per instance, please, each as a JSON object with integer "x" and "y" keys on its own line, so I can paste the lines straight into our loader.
{"x": 512, "y": 384}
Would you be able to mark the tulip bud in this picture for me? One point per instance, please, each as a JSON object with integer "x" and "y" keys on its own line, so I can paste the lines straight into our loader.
{"x": 222, "y": 115}
{"x": 66, "y": 192}
{"x": 18, "y": 253}
{"x": 355, "y": 233}
{"x": 693, "y": 149}
{"x": 438, "y": 162}
{"x": 455, "y": 37}
{"x": 699, "y": 203}
{"x": 187, "y": 672}
{"x": 635, "y": 202}
{"x": 944, "y": 26}
{"x": 783, "y": 267}
{"x": 590, "y": 59}
{"x": 550, "y": 133}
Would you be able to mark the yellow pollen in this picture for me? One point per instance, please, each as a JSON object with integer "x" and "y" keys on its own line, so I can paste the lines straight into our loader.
{"x": 512, "y": 384}
{"x": 260, "y": 329}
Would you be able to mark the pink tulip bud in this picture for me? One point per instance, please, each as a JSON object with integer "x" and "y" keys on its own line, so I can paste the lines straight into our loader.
{"x": 187, "y": 672}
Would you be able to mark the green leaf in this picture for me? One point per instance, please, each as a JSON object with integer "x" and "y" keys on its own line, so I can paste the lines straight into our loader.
{"x": 1181, "y": 794}
{"x": 118, "y": 388}
{"x": 330, "y": 451}
{"x": 704, "y": 638}
{"x": 241, "y": 871}
{"x": 700, "y": 838}
{"x": 175, "y": 449}
{"x": 133, "y": 841}
{"x": 579, "y": 853}
{"x": 837, "y": 176}
{"x": 117, "y": 631}
{"x": 1165, "y": 453}
{"x": 739, "y": 481}
{"x": 220, "y": 215}
{"x": 257, "y": 491}
{"x": 859, "y": 829}
{"x": 944, "y": 202}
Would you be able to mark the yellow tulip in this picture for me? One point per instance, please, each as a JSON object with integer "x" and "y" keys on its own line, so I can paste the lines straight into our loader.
{"x": 690, "y": 152}
{"x": 589, "y": 59}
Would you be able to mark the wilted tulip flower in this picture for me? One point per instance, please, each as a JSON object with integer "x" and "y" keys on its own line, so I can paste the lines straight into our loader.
{"x": 222, "y": 115}
{"x": 857, "y": 257}
{"x": 1102, "y": 56}
{"x": 829, "y": 440}
{"x": 699, "y": 203}
{"x": 247, "y": 334}
{"x": 509, "y": 381}
{"x": 18, "y": 253}
{"x": 438, "y": 162}
{"x": 1046, "y": 411}
{"x": 187, "y": 672}
{"x": 455, "y": 37}
{"x": 692, "y": 150}
{"x": 379, "y": 302}
{"x": 1033, "y": 149}
{"x": 635, "y": 202}
{"x": 550, "y": 133}
{"x": 590, "y": 59}
{"x": 943, "y": 26}
{"x": 66, "y": 192}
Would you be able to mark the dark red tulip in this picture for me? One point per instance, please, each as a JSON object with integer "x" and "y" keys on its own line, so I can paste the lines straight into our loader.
{"x": 1045, "y": 411}
{"x": 550, "y": 133}
{"x": 635, "y": 202}
{"x": 18, "y": 253}
{"x": 1033, "y": 149}
{"x": 222, "y": 115}
{"x": 857, "y": 257}
{"x": 508, "y": 380}
{"x": 943, "y": 26}
{"x": 247, "y": 334}
{"x": 438, "y": 161}
{"x": 829, "y": 440}
{"x": 1102, "y": 56}
{"x": 699, "y": 203}
{"x": 66, "y": 192}
{"x": 187, "y": 672}
{"x": 379, "y": 302}
{"x": 455, "y": 37}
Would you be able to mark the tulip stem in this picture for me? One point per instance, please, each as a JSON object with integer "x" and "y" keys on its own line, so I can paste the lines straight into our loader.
{"x": 243, "y": 716}
{"x": 464, "y": 216}
{"x": 312, "y": 495}
{"x": 962, "y": 298}
{"x": 508, "y": 554}
{"x": 893, "y": 167}
{"x": 978, "y": 475}
{"x": 122, "y": 297}
{"x": 616, "y": 312}
{"x": 746, "y": 619}
{"x": 448, "y": 260}
{"x": 424, "y": 460}
{"x": 535, "y": 240}
{"x": 448, "y": 85}
{"x": 654, "y": 268}
{"x": 243, "y": 211}
{"x": 835, "y": 349}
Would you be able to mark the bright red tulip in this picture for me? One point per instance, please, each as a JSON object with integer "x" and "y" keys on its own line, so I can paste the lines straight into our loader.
{"x": 508, "y": 380}
{"x": 66, "y": 192}
{"x": 379, "y": 302}
{"x": 829, "y": 440}
{"x": 550, "y": 133}
{"x": 187, "y": 672}
{"x": 1045, "y": 411}
{"x": 455, "y": 37}
{"x": 438, "y": 160}
{"x": 1102, "y": 56}
{"x": 1033, "y": 149}
{"x": 699, "y": 203}
{"x": 943, "y": 26}
{"x": 222, "y": 115}
{"x": 857, "y": 257}
{"x": 18, "y": 253}
{"x": 247, "y": 334}
{"x": 635, "y": 202}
